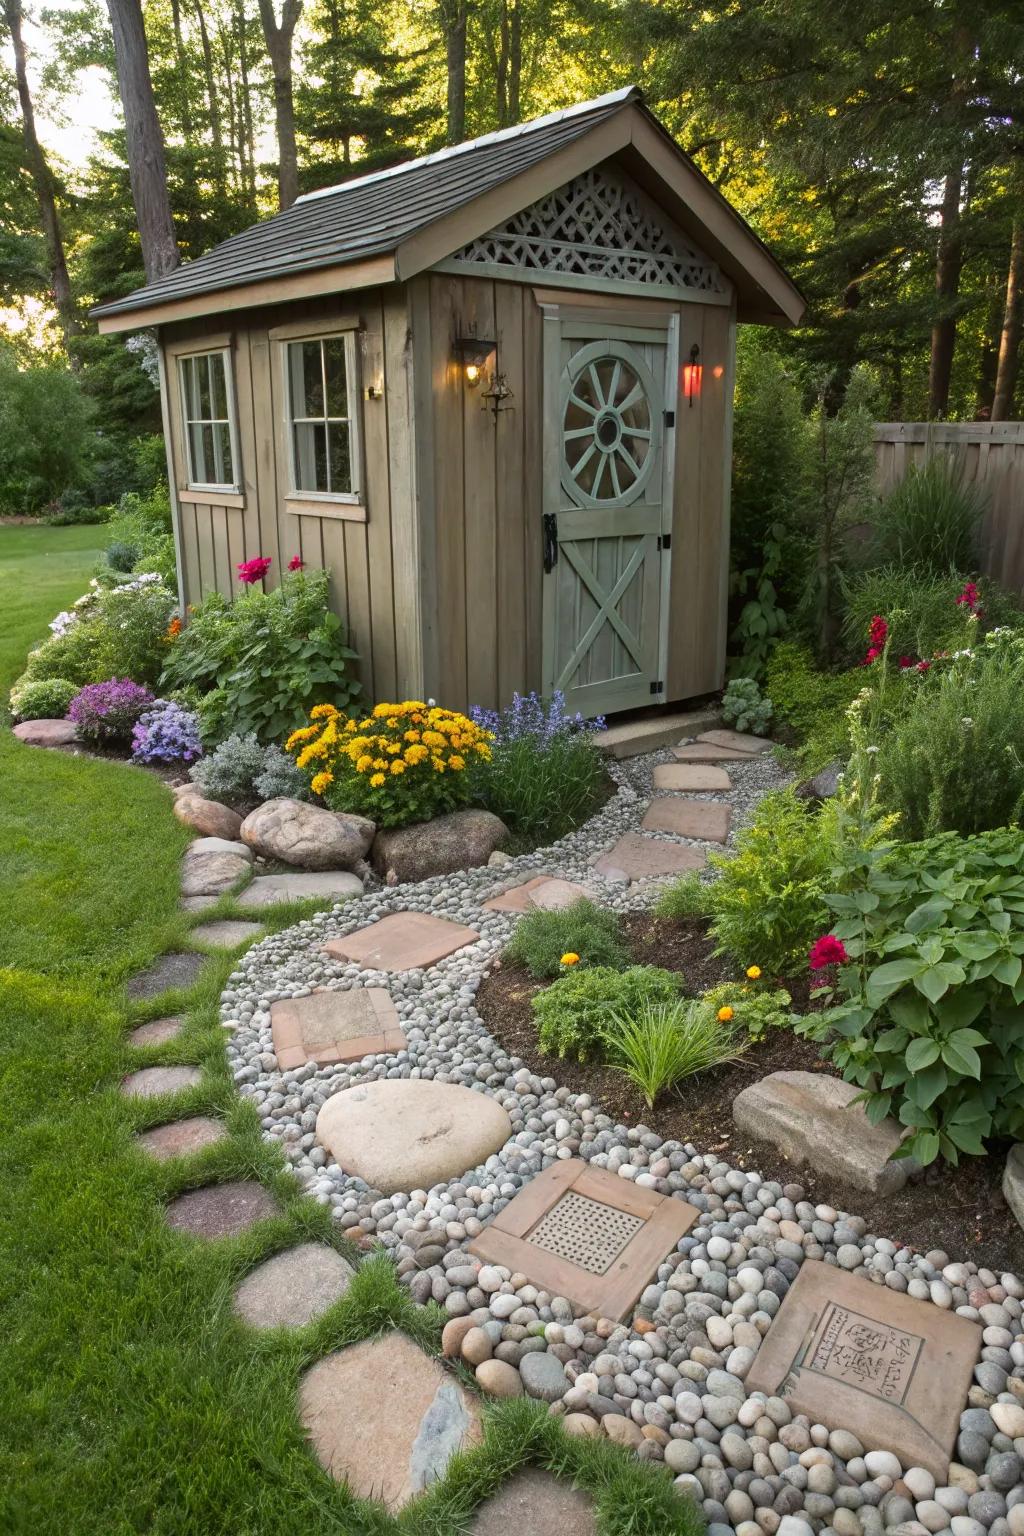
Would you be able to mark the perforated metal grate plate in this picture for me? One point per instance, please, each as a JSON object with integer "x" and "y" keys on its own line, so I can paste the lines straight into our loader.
{"x": 585, "y": 1232}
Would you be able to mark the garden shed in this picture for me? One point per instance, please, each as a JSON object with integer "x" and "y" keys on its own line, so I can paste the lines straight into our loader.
{"x": 490, "y": 390}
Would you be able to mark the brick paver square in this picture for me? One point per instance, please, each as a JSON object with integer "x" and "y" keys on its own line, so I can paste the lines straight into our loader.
{"x": 518, "y": 898}
{"x": 648, "y": 858}
{"x": 404, "y": 941}
{"x": 326, "y": 1027}
{"x": 707, "y": 820}
{"x": 736, "y": 741}
{"x": 690, "y": 776}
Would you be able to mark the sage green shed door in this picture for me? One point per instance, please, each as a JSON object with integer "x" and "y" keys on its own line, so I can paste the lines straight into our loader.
{"x": 606, "y": 512}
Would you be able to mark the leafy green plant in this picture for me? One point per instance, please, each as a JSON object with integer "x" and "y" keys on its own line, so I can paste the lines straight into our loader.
{"x": 762, "y": 620}
{"x": 658, "y": 1044}
{"x": 572, "y": 1011}
{"x": 141, "y": 528}
{"x": 118, "y": 631}
{"x": 920, "y": 607}
{"x": 241, "y": 772}
{"x": 542, "y": 937}
{"x": 931, "y": 519}
{"x": 745, "y": 707}
{"x": 545, "y": 774}
{"x": 812, "y": 702}
{"x": 44, "y": 425}
{"x": 754, "y": 1009}
{"x": 689, "y": 896}
{"x": 931, "y": 1000}
{"x": 47, "y": 699}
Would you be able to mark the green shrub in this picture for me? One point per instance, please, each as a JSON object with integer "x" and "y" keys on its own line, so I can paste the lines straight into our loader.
{"x": 689, "y": 896}
{"x": 119, "y": 631}
{"x": 755, "y": 1009}
{"x": 745, "y": 707}
{"x": 47, "y": 699}
{"x": 658, "y": 1044}
{"x": 921, "y": 609}
{"x": 142, "y": 525}
{"x": 572, "y": 1011}
{"x": 931, "y": 519}
{"x": 241, "y": 772}
{"x": 541, "y": 938}
{"x": 44, "y": 428}
{"x": 545, "y": 774}
{"x": 812, "y": 702}
{"x": 121, "y": 556}
{"x": 928, "y": 1023}
{"x": 265, "y": 660}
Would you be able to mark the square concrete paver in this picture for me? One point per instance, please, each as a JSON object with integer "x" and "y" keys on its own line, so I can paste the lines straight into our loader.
{"x": 706, "y": 752}
{"x": 335, "y": 1026}
{"x": 857, "y": 1356}
{"x": 647, "y": 858}
{"x": 690, "y": 776}
{"x": 533, "y": 1503}
{"x": 707, "y": 820}
{"x": 518, "y": 898}
{"x": 736, "y": 741}
{"x": 586, "y": 1234}
{"x": 293, "y": 1287}
{"x": 151, "y": 1082}
{"x": 385, "y": 1418}
{"x": 179, "y": 969}
{"x": 180, "y": 1137}
{"x": 157, "y": 1031}
{"x": 222, "y": 1210}
{"x": 405, "y": 941}
{"x": 228, "y": 933}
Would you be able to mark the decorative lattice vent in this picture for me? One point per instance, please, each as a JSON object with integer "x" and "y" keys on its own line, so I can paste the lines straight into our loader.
{"x": 597, "y": 225}
{"x": 585, "y": 1232}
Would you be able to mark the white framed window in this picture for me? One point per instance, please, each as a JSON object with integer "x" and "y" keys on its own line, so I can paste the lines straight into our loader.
{"x": 208, "y": 413}
{"x": 322, "y": 398}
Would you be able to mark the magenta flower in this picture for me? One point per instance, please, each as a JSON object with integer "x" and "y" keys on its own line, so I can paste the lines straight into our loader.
{"x": 828, "y": 950}
{"x": 251, "y": 571}
{"x": 295, "y": 563}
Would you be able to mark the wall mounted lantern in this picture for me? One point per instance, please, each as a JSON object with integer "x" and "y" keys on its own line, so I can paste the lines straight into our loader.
{"x": 692, "y": 374}
{"x": 472, "y": 353}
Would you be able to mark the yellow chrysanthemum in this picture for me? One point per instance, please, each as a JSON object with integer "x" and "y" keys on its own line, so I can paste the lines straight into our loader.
{"x": 398, "y": 766}
{"x": 380, "y": 764}
{"x": 393, "y": 747}
{"x": 324, "y": 712}
{"x": 364, "y": 763}
{"x": 320, "y": 782}
{"x": 438, "y": 763}
{"x": 570, "y": 958}
{"x": 724, "y": 1015}
{"x": 412, "y": 736}
{"x": 415, "y": 754}
{"x": 456, "y": 762}
{"x": 304, "y": 733}
{"x": 753, "y": 971}
{"x": 433, "y": 738}
{"x": 377, "y": 780}
{"x": 380, "y": 710}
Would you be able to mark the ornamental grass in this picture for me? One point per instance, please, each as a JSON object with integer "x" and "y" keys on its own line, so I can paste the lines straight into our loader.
{"x": 403, "y": 763}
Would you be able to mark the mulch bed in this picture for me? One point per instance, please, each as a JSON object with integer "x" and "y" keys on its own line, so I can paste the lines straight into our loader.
{"x": 958, "y": 1210}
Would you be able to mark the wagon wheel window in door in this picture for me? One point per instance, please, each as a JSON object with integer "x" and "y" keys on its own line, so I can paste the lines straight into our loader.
{"x": 607, "y": 430}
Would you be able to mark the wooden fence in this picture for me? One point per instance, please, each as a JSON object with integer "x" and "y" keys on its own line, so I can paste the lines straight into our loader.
{"x": 991, "y": 453}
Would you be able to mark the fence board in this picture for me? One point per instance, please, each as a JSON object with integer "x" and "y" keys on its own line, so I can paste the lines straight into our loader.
{"x": 991, "y": 454}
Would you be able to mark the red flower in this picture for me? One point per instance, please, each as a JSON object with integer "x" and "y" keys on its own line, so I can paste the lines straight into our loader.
{"x": 828, "y": 950}
{"x": 905, "y": 662}
{"x": 296, "y": 563}
{"x": 878, "y": 633}
{"x": 924, "y": 666}
{"x": 251, "y": 571}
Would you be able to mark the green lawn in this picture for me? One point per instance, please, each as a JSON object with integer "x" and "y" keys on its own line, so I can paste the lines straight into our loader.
{"x": 133, "y": 1401}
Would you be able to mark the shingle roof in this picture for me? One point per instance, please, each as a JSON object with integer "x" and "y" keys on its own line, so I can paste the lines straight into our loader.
{"x": 372, "y": 215}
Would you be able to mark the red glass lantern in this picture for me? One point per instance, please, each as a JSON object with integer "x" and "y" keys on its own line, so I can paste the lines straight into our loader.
{"x": 693, "y": 372}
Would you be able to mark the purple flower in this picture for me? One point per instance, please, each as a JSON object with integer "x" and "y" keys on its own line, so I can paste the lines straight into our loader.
{"x": 106, "y": 712}
{"x": 167, "y": 733}
{"x": 532, "y": 717}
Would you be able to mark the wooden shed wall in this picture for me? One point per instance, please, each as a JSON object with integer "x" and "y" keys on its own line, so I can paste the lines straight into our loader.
{"x": 372, "y": 562}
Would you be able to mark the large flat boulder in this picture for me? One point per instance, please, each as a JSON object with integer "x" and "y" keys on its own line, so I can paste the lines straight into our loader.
{"x": 411, "y": 1133}
{"x": 207, "y": 816}
{"x": 461, "y": 840}
{"x": 811, "y": 1118}
{"x": 307, "y": 836}
{"x": 47, "y": 733}
{"x": 212, "y": 865}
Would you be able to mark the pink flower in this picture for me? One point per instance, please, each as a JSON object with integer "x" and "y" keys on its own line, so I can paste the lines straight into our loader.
{"x": 924, "y": 666}
{"x": 296, "y": 563}
{"x": 828, "y": 950}
{"x": 251, "y": 571}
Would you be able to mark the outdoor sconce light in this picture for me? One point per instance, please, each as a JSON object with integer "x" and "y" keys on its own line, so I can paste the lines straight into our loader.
{"x": 472, "y": 353}
{"x": 692, "y": 374}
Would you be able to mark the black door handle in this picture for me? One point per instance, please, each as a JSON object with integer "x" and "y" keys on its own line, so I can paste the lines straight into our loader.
{"x": 550, "y": 541}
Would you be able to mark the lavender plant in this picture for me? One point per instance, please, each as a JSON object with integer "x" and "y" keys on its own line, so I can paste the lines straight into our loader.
{"x": 167, "y": 733}
{"x": 106, "y": 713}
{"x": 546, "y": 774}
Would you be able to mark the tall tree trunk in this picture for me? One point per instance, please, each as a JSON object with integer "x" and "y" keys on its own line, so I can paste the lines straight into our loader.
{"x": 453, "y": 27}
{"x": 279, "y": 47}
{"x": 181, "y": 58}
{"x": 60, "y": 283}
{"x": 147, "y": 167}
{"x": 248, "y": 134}
{"x": 515, "y": 59}
{"x": 948, "y": 264}
{"x": 212, "y": 93}
{"x": 1013, "y": 316}
{"x": 236, "y": 146}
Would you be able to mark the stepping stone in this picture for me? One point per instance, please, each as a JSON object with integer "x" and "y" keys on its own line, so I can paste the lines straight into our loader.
{"x": 212, "y": 865}
{"x": 293, "y": 1287}
{"x": 412, "y": 1418}
{"x": 811, "y": 1118}
{"x": 647, "y": 858}
{"x": 268, "y": 890}
{"x": 335, "y": 1026}
{"x": 857, "y": 1356}
{"x": 405, "y": 941}
{"x": 227, "y": 933}
{"x": 556, "y": 895}
{"x": 691, "y": 776}
{"x": 537, "y": 1504}
{"x": 157, "y": 1031}
{"x": 222, "y": 1210}
{"x": 707, "y": 820}
{"x": 584, "y": 1233}
{"x": 638, "y": 736}
{"x": 197, "y": 903}
{"x": 180, "y": 1137}
{"x": 735, "y": 741}
{"x": 47, "y": 733}
{"x": 518, "y": 898}
{"x": 179, "y": 969}
{"x": 151, "y": 1082}
{"x": 696, "y": 752}
{"x": 411, "y": 1133}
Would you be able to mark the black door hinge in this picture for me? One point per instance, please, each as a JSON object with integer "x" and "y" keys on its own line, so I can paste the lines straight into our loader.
{"x": 670, "y": 418}
{"x": 658, "y": 687}
{"x": 664, "y": 541}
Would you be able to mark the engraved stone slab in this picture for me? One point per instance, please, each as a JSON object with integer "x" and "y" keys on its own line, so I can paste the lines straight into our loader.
{"x": 584, "y": 1233}
{"x": 335, "y": 1026}
{"x": 690, "y": 776}
{"x": 857, "y": 1356}
{"x": 405, "y": 941}
{"x": 647, "y": 858}
{"x": 704, "y": 819}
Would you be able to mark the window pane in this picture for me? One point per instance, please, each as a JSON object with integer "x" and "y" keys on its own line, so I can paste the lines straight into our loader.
{"x": 210, "y": 470}
{"x": 310, "y": 456}
{"x": 202, "y": 388}
{"x": 334, "y": 365}
{"x": 340, "y": 456}
{"x": 218, "y": 386}
{"x": 188, "y": 374}
{"x": 222, "y": 474}
{"x": 307, "y": 379}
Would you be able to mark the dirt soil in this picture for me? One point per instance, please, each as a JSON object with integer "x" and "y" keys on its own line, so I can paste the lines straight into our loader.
{"x": 958, "y": 1210}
